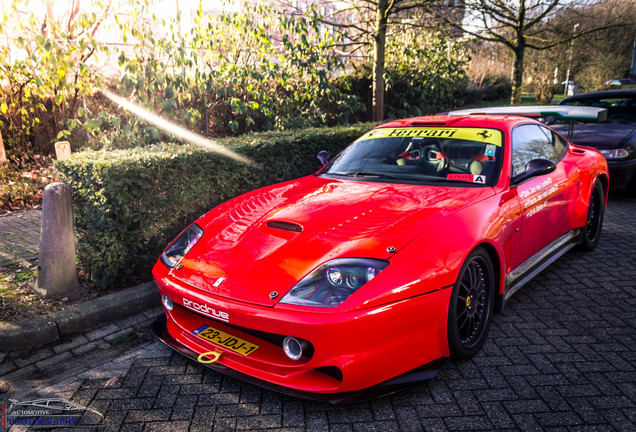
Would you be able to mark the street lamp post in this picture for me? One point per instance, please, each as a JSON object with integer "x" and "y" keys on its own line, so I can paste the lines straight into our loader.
{"x": 567, "y": 79}
{"x": 633, "y": 71}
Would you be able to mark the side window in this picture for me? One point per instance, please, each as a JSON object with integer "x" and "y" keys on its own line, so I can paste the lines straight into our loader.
{"x": 559, "y": 144}
{"x": 530, "y": 142}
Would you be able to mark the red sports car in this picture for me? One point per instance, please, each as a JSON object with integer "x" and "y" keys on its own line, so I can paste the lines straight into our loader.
{"x": 365, "y": 277}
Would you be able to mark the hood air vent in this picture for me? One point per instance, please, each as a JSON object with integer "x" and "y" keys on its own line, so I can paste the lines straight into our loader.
{"x": 285, "y": 226}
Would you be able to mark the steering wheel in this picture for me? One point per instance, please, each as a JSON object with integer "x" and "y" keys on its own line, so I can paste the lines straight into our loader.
{"x": 440, "y": 160}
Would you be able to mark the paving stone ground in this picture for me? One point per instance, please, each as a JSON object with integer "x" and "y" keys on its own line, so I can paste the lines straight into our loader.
{"x": 561, "y": 358}
{"x": 19, "y": 236}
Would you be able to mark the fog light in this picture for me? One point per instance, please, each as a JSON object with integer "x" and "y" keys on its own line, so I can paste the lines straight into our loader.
{"x": 167, "y": 303}
{"x": 293, "y": 348}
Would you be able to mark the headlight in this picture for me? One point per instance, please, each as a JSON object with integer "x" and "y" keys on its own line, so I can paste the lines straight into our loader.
{"x": 181, "y": 245}
{"x": 615, "y": 153}
{"x": 333, "y": 282}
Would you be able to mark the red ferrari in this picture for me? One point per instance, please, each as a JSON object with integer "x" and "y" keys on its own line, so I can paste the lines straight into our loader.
{"x": 365, "y": 277}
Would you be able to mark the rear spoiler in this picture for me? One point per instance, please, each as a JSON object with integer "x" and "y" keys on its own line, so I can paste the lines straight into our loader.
{"x": 565, "y": 112}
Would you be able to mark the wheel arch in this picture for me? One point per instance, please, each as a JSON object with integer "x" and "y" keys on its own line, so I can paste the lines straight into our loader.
{"x": 605, "y": 183}
{"x": 495, "y": 259}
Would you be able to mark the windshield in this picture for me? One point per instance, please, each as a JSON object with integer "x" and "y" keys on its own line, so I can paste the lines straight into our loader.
{"x": 423, "y": 155}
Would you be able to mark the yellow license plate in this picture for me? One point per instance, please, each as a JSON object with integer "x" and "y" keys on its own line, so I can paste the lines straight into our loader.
{"x": 226, "y": 340}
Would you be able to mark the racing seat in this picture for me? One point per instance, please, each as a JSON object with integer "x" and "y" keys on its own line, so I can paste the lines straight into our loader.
{"x": 479, "y": 164}
{"x": 475, "y": 167}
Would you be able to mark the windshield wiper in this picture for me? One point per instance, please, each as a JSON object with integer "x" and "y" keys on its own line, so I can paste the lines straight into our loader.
{"x": 366, "y": 174}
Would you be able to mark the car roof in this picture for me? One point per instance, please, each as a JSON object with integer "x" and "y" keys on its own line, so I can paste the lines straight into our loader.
{"x": 479, "y": 121}
{"x": 602, "y": 95}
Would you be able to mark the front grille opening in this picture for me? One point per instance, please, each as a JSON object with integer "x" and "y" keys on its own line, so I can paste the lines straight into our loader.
{"x": 274, "y": 339}
{"x": 278, "y": 340}
{"x": 332, "y": 372}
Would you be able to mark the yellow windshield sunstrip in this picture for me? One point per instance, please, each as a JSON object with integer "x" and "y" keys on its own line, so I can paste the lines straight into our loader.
{"x": 485, "y": 135}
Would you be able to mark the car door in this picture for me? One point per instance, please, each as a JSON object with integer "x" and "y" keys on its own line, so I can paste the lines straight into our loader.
{"x": 545, "y": 199}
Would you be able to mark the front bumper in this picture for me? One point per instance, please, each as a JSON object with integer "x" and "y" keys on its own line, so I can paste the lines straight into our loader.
{"x": 351, "y": 352}
{"x": 399, "y": 383}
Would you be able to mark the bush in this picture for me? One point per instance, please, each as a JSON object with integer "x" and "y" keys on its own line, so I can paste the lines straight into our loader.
{"x": 130, "y": 203}
{"x": 488, "y": 88}
{"x": 253, "y": 70}
{"x": 45, "y": 73}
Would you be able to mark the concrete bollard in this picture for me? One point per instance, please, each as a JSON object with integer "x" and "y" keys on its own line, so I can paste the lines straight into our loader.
{"x": 57, "y": 274}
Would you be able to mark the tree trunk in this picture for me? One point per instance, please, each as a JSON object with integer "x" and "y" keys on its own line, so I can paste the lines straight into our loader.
{"x": 378, "y": 61}
{"x": 517, "y": 74}
{"x": 3, "y": 155}
{"x": 519, "y": 50}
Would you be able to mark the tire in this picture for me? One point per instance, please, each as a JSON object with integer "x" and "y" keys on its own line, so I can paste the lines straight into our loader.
{"x": 471, "y": 305}
{"x": 594, "y": 224}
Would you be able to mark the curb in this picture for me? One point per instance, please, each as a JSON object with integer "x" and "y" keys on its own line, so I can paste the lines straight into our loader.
{"x": 79, "y": 318}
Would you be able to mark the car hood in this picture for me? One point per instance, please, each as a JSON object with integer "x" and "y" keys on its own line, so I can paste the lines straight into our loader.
{"x": 601, "y": 136}
{"x": 267, "y": 240}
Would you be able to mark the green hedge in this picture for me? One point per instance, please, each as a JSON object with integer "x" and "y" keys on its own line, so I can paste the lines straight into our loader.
{"x": 130, "y": 203}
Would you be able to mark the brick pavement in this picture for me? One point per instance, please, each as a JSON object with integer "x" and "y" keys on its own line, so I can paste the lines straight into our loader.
{"x": 29, "y": 371}
{"x": 19, "y": 236}
{"x": 561, "y": 358}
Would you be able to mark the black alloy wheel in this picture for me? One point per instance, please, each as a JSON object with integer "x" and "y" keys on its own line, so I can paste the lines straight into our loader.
{"x": 471, "y": 305}
{"x": 594, "y": 223}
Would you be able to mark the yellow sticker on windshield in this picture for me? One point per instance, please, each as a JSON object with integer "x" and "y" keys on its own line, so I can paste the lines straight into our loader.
{"x": 488, "y": 136}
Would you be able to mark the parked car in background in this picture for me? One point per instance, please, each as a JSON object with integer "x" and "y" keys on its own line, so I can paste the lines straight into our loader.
{"x": 620, "y": 82}
{"x": 615, "y": 137}
{"x": 367, "y": 276}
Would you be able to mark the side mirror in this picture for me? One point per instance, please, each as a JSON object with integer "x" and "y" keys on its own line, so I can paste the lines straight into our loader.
{"x": 323, "y": 157}
{"x": 535, "y": 167}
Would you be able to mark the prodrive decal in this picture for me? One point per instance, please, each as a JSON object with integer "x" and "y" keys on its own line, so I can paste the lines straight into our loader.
{"x": 206, "y": 310}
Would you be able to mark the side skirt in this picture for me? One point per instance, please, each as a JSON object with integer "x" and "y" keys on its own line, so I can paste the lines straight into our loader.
{"x": 536, "y": 264}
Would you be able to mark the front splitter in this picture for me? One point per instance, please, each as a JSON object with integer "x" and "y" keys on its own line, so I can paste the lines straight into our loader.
{"x": 399, "y": 383}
